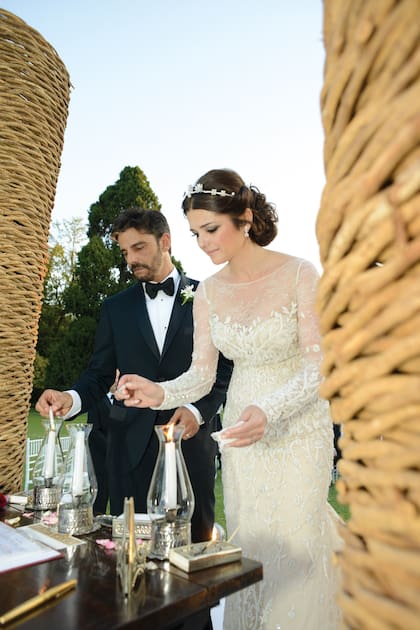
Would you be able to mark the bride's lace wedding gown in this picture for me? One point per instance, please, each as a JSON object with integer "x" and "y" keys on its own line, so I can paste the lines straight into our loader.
{"x": 276, "y": 489}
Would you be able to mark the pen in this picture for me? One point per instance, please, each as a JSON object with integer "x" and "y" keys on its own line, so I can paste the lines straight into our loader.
{"x": 38, "y": 600}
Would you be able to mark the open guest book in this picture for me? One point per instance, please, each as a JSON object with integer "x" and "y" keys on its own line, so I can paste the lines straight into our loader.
{"x": 19, "y": 550}
{"x": 204, "y": 555}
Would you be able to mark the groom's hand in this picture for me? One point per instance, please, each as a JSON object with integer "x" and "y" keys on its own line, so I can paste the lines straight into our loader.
{"x": 61, "y": 403}
{"x": 186, "y": 417}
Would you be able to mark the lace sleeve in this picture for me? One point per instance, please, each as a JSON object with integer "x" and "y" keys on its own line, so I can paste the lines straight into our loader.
{"x": 302, "y": 388}
{"x": 198, "y": 380}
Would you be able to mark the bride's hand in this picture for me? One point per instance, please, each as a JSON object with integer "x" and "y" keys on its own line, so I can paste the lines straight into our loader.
{"x": 137, "y": 391}
{"x": 249, "y": 429}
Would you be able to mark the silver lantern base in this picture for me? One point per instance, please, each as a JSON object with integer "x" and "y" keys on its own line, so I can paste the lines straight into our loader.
{"x": 77, "y": 521}
{"x": 166, "y": 535}
{"x": 46, "y": 498}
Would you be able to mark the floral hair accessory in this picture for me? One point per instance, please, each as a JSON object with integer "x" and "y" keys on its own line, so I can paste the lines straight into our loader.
{"x": 198, "y": 189}
{"x": 187, "y": 294}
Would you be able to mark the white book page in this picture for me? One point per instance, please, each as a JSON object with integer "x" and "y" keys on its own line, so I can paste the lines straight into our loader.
{"x": 17, "y": 550}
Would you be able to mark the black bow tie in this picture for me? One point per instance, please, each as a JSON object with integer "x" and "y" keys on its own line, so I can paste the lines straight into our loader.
{"x": 152, "y": 288}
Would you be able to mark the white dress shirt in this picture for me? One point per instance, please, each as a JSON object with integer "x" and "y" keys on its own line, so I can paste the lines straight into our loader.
{"x": 160, "y": 309}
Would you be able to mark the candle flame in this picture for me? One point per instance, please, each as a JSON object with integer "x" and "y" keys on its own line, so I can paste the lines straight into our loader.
{"x": 169, "y": 431}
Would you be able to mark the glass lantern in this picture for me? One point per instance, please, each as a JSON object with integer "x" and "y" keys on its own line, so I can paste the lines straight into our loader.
{"x": 79, "y": 485}
{"x": 48, "y": 468}
{"x": 170, "y": 500}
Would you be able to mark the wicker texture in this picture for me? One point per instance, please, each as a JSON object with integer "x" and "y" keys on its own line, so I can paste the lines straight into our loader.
{"x": 368, "y": 229}
{"x": 34, "y": 97}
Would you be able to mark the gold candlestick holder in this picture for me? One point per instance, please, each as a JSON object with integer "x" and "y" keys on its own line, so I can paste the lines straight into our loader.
{"x": 131, "y": 558}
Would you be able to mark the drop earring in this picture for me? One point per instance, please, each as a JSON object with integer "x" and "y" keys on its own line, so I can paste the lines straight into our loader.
{"x": 246, "y": 232}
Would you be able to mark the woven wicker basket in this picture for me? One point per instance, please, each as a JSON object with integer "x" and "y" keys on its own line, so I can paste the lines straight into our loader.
{"x": 368, "y": 229}
{"x": 34, "y": 97}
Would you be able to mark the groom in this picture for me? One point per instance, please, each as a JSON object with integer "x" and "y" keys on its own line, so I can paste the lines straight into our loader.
{"x": 147, "y": 329}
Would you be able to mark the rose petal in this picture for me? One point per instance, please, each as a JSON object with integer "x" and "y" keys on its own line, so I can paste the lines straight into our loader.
{"x": 50, "y": 518}
{"x": 106, "y": 542}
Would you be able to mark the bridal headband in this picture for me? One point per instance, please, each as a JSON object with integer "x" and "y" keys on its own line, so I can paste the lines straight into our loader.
{"x": 198, "y": 189}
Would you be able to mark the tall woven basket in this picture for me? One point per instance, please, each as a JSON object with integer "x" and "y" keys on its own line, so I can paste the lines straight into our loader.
{"x": 368, "y": 229}
{"x": 34, "y": 97}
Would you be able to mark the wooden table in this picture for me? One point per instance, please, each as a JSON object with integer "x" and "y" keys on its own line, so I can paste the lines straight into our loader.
{"x": 163, "y": 598}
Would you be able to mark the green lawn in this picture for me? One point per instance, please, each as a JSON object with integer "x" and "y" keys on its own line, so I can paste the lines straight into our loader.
{"x": 343, "y": 510}
{"x": 35, "y": 430}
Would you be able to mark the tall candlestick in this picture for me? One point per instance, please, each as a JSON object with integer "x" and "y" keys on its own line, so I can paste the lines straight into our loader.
{"x": 79, "y": 456}
{"x": 183, "y": 485}
{"x": 49, "y": 455}
{"x": 170, "y": 475}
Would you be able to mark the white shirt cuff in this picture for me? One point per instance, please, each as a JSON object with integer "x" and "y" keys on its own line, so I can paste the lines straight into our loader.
{"x": 196, "y": 413}
{"x": 76, "y": 406}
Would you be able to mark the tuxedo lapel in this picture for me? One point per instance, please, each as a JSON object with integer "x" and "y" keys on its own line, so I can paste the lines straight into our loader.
{"x": 143, "y": 322}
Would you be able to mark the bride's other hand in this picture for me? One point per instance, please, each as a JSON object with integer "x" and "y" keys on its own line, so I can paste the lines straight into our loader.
{"x": 137, "y": 391}
{"x": 249, "y": 429}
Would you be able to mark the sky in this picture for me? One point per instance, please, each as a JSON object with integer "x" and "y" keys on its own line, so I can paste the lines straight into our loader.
{"x": 178, "y": 87}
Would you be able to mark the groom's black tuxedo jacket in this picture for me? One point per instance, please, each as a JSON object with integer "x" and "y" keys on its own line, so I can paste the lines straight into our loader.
{"x": 125, "y": 340}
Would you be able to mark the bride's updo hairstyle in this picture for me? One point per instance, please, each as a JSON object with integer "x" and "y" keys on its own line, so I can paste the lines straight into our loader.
{"x": 223, "y": 191}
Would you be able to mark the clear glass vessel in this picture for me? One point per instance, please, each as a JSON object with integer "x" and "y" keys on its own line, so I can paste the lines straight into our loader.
{"x": 170, "y": 493}
{"x": 79, "y": 485}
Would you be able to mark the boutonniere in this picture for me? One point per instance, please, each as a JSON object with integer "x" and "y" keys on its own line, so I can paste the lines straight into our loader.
{"x": 187, "y": 294}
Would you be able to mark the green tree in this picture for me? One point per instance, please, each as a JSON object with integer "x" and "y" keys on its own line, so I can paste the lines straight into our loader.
{"x": 94, "y": 279}
{"x": 66, "y": 239}
{"x": 131, "y": 189}
{"x": 68, "y": 357}
{"x": 40, "y": 371}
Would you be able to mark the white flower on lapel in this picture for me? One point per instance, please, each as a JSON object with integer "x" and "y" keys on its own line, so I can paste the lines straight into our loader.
{"x": 187, "y": 294}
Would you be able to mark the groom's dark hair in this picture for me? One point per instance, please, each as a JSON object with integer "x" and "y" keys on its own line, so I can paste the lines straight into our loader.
{"x": 148, "y": 221}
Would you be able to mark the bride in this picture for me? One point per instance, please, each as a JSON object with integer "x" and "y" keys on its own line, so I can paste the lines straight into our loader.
{"x": 259, "y": 311}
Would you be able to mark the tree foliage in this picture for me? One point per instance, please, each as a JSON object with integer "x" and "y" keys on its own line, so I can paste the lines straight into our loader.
{"x": 93, "y": 280}
{"x": 131, "y": 189}
{"x": 66, "y": 238}
{"x": 68, "y": 355}
{"x": 40, "y": 371}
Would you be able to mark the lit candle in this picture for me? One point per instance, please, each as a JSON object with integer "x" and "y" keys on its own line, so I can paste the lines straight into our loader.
{"x": 79, "y": 456}
{"x": 170, "y": 472}
{"x": 49, "y": 455}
